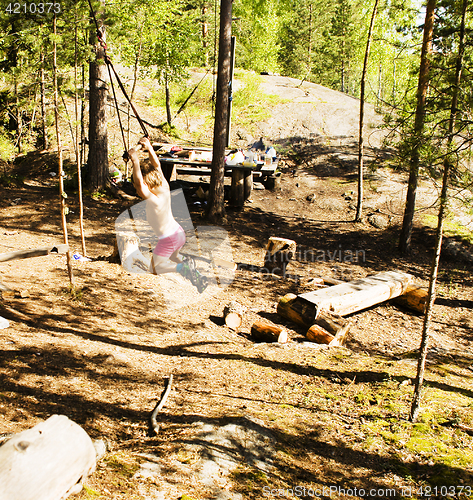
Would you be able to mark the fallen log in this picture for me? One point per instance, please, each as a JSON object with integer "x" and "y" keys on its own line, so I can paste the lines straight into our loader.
{"x": 264, "y": 332}
{"x": 233, "y": 315}
{"x": 353, "y": 296}
{"x": 334, "y": 325}
{"x": 46, "y": 462}
{"x": 316, "y": 333}
{"x": 35, "y": 252}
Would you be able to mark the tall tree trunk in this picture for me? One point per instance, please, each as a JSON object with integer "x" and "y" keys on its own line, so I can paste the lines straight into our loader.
{"x": 359, "y": 206}
{"x": 168, "y": 98}
{"x": 205, "y": 35}
{"x": 82, "y": 118}
{"x": 98, "y": 142}
{"x": 216, "y": 207}
{"x": 62, "y": 194}
{"x": 44, "y": 132}
{"x": 407, "y": 223}
{"x": 19, "y": 123}
{"x": 441, "y": 217}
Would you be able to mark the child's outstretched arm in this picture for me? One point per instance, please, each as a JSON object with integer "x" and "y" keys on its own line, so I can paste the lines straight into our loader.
{"x": 153, "y": 157}
{"x": 140, "y": 186}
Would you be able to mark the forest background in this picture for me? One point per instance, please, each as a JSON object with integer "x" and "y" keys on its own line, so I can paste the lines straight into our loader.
{"x": 317, "y": 41}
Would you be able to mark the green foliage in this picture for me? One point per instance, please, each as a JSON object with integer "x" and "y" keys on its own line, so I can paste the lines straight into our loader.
{"x": 7, "y": 148}
{"x": 250, "y": 105}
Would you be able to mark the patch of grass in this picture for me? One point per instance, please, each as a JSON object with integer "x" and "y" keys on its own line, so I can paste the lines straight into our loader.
{"x": 7, "y": 149}
{"x": 76, "y": 294}
{"x": 451, "y": 228}
{"x": 11, "y": 180}
{"x": 89, "y": 492}
{"x": 250, "y": 478}
{"x": 122, "y": 465}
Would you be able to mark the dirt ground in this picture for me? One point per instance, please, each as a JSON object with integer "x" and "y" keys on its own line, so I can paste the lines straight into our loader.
{"x": 243, "y": 419}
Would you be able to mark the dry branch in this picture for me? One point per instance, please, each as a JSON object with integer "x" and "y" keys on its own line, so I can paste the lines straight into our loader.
{"x": 154, "y": 426}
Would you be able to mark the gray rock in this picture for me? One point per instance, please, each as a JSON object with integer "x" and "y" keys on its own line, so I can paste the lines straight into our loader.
{"x": 378, "y": 221}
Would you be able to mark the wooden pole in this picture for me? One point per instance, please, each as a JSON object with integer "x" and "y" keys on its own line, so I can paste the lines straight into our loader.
{"x": 78, "y": 159}
{"x": 359, "y": 206}
{"x": 62, "y": 194}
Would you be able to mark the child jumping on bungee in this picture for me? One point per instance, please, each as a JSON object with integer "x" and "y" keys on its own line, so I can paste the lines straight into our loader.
{"x": 152, "y": 186}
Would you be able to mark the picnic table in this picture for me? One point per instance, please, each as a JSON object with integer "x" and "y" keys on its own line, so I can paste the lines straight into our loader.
{"x": 242, "y": 175}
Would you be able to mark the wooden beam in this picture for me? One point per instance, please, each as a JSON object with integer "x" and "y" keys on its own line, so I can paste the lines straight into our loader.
{"x": 353, "y": 296}
{"x": 35, "y": 252}
{"x": 46, "y": 462}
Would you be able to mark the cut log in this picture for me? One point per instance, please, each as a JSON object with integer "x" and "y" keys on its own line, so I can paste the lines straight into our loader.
{"x": 414, "y": 298}
{"x": 279, "y": 251}
{"x": 303, "y": 313}
{"x": 298, "y": 311}
{"x": 353, "y": 296}
{"x": 233, "y": 315}
{"x": 35, "y": 252}
{"x": 264, "y": 332}
{"x": 130, "y": 255}
{"x": 334, "y": 334}
{"x": 319, "y": 335}
{"x": 334, "y": 324}
{"x": 47, "y": 462}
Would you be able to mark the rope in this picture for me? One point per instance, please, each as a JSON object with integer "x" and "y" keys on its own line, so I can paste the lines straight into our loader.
{"x": 111, "y": 68}
{"x": 191, "y": 94}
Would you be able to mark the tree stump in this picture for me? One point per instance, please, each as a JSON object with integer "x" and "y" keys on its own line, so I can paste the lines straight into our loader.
{"x": 279, "y": 251}
{"x": 264, "y": 332}
{"x": 47, "y": 462}
{"x": 130, "y": 255}
{"x": 233, "y": 315}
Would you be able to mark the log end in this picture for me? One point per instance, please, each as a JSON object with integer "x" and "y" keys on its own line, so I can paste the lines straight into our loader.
{"x": 233, "y": 320}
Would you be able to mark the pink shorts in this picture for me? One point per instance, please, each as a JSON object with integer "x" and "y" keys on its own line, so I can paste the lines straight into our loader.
{"x": 167, "y": 245}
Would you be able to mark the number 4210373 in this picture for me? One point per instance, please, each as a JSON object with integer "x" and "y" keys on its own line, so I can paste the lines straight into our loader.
{"x": 33, "y": 8}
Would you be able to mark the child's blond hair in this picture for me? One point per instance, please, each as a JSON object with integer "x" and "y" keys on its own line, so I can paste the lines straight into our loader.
{"x": 152, "y": 176}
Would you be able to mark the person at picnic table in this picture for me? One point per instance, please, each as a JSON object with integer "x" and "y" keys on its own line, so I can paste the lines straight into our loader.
{"x": 152, "y": 186}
